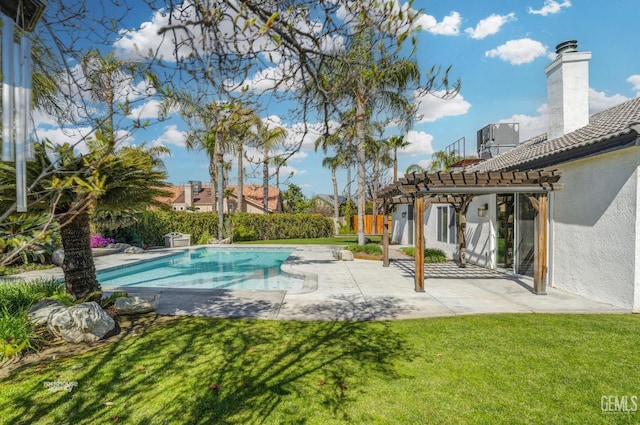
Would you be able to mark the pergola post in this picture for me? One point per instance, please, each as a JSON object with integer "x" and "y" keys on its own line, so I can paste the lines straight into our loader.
{"x": 539, "y": 203}
{"x": 419, "y": 243}
{"x": 385, "y": 234}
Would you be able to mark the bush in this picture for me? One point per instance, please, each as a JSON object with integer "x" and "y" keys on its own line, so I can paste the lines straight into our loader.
{"x": 98, "y": 241}
{"x": 370, "y": 248}
{"x": 153, "y": 225}
{"x": 431, "y": 255}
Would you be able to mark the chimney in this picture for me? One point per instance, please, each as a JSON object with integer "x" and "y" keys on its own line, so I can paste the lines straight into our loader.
{"x": 188, "y": 194}
{"x": 568, "y": 89}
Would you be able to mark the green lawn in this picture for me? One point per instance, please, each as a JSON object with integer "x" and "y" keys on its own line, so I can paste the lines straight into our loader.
{"x": 334, "y": 240}
{"x": 528, "y": 368}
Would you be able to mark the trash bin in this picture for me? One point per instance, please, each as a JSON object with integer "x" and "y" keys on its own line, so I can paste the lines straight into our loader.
{"x": 176, "y": 239}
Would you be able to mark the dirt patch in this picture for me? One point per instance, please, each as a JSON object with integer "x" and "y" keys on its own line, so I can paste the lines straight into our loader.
{"x": 365, "y": 256}
{"x": 58, "y": 348}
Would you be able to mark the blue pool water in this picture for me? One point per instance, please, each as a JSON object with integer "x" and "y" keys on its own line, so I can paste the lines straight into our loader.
{"x": 208, "y": 268}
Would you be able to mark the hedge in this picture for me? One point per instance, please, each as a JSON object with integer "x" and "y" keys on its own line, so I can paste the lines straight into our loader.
{"x": 153, "y": 225}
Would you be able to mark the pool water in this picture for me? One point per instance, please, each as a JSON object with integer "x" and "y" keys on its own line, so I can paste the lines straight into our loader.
{"x": 208, "y": 268}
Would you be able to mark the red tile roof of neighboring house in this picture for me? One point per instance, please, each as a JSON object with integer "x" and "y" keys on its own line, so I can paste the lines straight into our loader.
{"x": 252, "y": 193}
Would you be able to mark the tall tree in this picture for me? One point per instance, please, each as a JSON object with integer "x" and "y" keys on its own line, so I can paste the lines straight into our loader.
{"x": 268, "y": 138}
{"x": 396, "y": 143}
{"x": 442, "y": 161}
{"x": 115, "y": 185}
{"x": 333, "y": 163}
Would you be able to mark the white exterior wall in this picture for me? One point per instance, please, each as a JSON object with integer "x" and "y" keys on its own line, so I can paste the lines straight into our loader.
{"x": 431, "y": 232}
{"x": 595, "y": 251}
{"x": 481, "y": 233}
{"x": 400, "y": 225}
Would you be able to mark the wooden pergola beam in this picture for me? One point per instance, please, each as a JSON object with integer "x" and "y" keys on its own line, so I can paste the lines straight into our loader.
{"x": 419, "y": 244}
{"x": 539, "y": 203}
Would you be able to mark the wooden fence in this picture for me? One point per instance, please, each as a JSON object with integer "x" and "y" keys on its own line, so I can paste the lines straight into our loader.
{"x": 368, "y": 224}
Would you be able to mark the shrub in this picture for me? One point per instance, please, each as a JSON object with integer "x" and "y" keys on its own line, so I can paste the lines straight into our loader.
{"x": 16, "y": 298}
{"x": 370, "y": 248}
{"x": 153, "y": 225}
{"x": 431, "y": 255}
{"x": 98, "y": 241}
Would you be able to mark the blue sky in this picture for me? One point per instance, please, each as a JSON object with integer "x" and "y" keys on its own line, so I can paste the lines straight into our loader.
{"x": 497, "y": 48}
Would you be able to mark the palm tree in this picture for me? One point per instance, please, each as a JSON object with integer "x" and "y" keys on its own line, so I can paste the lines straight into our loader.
{"x": 333, "y": 163}
{"x": 110, "y": 184}
{"x": 442, "y": 161}
{"x": 415, "y": 168}
{"x": 371, "y": 81}
{"x": 105, "y": 76}
{"x": 378, "y": 153}
{"x": 268, "y": 139}
{"x": 395, "y": 143}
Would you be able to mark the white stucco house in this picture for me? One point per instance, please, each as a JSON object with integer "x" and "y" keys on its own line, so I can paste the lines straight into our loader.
{"x": 593, "y": 224}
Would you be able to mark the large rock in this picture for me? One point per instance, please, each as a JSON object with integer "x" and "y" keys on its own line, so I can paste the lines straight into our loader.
{"x": 136, "y": 304}
{"x": 133, "y": 250}
{"x": 57, "y": 257}
{"x": 86, "y": 322}
{"x": 343, "y": 255}
{"x": 40, "y": 312}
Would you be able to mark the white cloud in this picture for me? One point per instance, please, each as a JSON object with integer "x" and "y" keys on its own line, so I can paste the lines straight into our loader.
{"x": 635, "y": 80}
{"x": 450, "y": 25}
{"x": 432, "y": 107}
{"x": 599, "y": 101}
{"x": 550, "y": 7}
{"x": 148, "y": 109}
{"x": 171, "y": 136}
{"x": 518, "y": 52}
{"x": 419, "y": 144}
{"x": 530, "y": 126}
{"x": 489, "y": 26}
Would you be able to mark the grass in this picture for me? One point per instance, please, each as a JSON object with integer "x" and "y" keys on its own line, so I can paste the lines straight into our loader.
{"x": 16, "y": 332}
{"x": 10, "y": 270}
{"x": 507, "y": 369}
{"x": 334, "y": 240}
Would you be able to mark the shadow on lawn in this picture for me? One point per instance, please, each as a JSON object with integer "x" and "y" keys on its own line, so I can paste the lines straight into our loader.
{"x": 200, "y": 370}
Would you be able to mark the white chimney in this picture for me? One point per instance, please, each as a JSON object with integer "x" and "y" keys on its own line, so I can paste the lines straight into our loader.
{"x": 568, "y": 89}
{"x": 188, "y": 194}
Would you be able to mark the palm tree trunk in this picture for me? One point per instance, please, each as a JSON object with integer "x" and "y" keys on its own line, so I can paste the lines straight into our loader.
{"x": 78, "y": 267}
{"x": 265, "y": 180}
{"x": 336, "y": 205}
{"x": 240, "y": 178}
{"x": 220, "y": 189}
{"x": 361, "y": 159}
{"x": 374, "y": 208}
{"x": 395, "y": 165}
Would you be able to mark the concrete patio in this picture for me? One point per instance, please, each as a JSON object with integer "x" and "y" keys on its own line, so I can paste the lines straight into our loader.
{"x": 363, "y": 290}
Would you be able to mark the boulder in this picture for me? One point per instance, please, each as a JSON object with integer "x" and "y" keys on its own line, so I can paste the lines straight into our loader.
{"x": 57, "y": 257}
{"x": 136, "y": 304}
{"x": 86, "y": 322}
{"x": 133, "y": 250}
{"x": 225, "y": 241}
{"x": 343, "y": 255}
{"x": 40, "y": 311}
{"x": 118, "y": 246}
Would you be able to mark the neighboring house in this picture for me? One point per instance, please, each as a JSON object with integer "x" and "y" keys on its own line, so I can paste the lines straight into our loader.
{"x": 194, "y": 196}
{"x": 593, "y": 223}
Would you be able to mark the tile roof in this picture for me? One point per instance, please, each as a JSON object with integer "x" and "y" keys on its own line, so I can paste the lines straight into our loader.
{"x": 606, "y": 125}
{"x": 252, "y": 193}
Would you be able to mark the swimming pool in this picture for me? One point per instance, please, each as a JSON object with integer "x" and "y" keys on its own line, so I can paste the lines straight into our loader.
{"x": 208, "y": 268}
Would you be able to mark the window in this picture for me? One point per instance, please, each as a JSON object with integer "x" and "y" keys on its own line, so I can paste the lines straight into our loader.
{"x": 447, "y": 229}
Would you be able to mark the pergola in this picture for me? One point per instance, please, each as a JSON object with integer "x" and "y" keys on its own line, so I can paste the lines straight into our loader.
{"x": 459, "y": 189}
